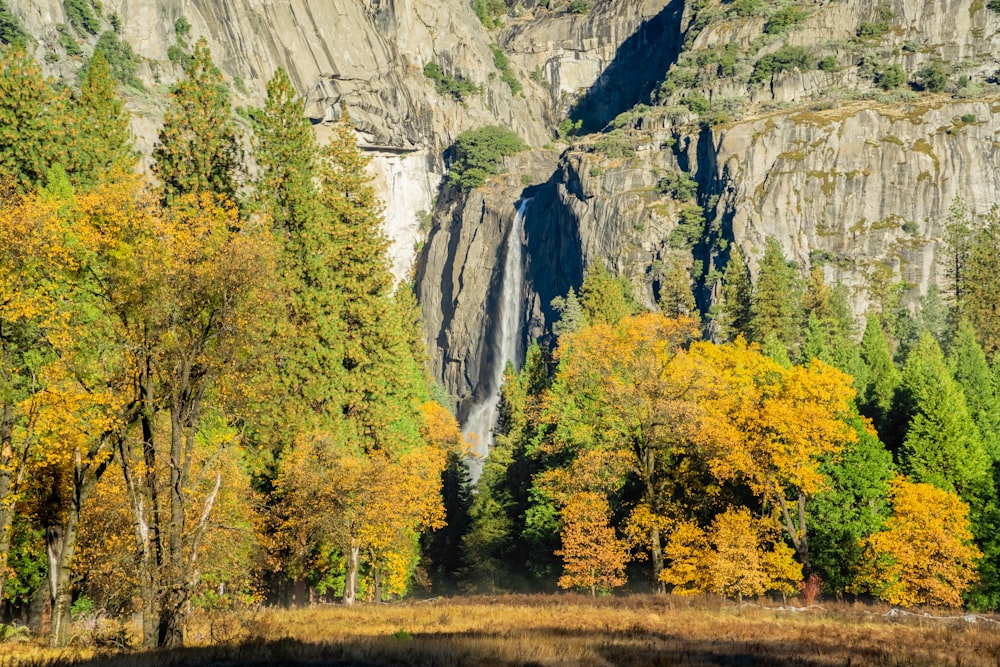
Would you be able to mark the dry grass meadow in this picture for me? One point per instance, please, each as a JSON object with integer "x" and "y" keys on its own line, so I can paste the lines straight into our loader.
{"x": 549, "y": 630}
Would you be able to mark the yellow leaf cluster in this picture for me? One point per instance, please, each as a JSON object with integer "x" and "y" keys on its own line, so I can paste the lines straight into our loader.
{"x": 925, "y": 555}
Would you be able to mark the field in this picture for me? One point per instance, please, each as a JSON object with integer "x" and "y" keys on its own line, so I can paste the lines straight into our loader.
{"x": 559, "y": 630}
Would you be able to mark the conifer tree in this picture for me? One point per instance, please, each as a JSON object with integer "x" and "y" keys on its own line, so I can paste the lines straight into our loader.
{"x": 852, "y": 507}
{"x": 198, "y": 147}
{"x": 775, "y": 306}
{"x": 571, "y": 314}
{"x": 942, "y": 446}
{"x": 605, "y": 298}
{"x": 31, "y": 130}
{"x": 676, "y": 299}
{"x": 980, "y": 298}
{"x": 101, "y": 126}
{"x": 972, "y": 372}
{"x": 876, "y": 400}
{"x": 735, "y": 315}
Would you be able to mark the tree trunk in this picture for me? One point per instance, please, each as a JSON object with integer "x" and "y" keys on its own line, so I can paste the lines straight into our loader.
{"x": 9, "y": 474}
{"x": 351, "y": 580}
{"x": 798, "y": 534}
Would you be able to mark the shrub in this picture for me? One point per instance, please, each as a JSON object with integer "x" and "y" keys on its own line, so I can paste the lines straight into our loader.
{"x": 502, "y": 63}
{"x": 68, "y": 40}
{"x": 478, "y": 155}
{"x": 689, "y": 229}
{"x": 568, "y": 128}
{"x": 748, "y": 8}
{"x": 11, "y": 30}
{"x": 827, "y": 63}
{"x": 580, "y": 6}
{"x": 783, "y": 19}
{"x": 877, "y": 28}
{"x": 83, "y": 15}
{"x": 121, "y": 58}
{"x": 678, "y": 185}
{"x": 786, "y": 58}
{"x": 698, "y": 104}
{"x": 446, "y": 84}
{"x": 933, "y": 76}
{"x": 489, "y": 11}
{"x": 891, "y": 77}
{"x": 614, "y": 145}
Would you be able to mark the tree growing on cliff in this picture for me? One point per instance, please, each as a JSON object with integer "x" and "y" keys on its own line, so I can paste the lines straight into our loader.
{"x": 777, "y": 294}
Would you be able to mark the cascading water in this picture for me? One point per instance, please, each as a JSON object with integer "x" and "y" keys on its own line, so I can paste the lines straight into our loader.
{"x": 483, "y": 415}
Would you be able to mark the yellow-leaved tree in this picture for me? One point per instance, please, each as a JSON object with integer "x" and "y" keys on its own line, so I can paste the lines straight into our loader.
{"x": 594, "y": 557}
{"x": 771, "y": 426}
{"x": 737, "y": 556}
{"x": 926, "y": 553}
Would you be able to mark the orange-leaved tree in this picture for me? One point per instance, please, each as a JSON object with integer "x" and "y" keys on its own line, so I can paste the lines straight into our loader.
{"x": 770, "y": 427}
{"x": 926, "y": 554}
{"x": 594, "y": 557}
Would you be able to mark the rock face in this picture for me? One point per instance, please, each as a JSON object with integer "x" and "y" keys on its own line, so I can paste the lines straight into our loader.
{"x": 822, "y": 159}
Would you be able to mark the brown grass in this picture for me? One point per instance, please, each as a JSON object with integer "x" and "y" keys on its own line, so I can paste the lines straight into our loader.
{"x": 560, "y": 630}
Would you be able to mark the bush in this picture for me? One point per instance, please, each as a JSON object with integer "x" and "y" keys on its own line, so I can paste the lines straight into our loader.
{"x": 11, "y": 30}
{"x": 875, "y": 29}
{"x": 446, "y": 84}
{"x": 68, "y": 40}
{"x": 489, "y": 11}
{"x": 891, "y": 77}
{"x": 698, "y": 104}
{"x": 568, "y": 128}
{"x": 678, "y": 185}
{"x": 689, "y": 229}
{"x": 783, "y": 19}
{"x": 580, "y": 6}
{"x": 748, "y": 8}
{"x": 83, "y": 15}
{"x": 478, "y": 155}
{"x": 933, "y": 76}
{"x": 614, "y": 145}
{"x": 121, "y": 58}
{"x": 502, "y": 63}
{"x": 827, "y": 63}
{"x": 786, "y": 58}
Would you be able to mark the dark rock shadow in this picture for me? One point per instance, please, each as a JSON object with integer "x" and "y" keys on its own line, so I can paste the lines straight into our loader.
{"x": 639, "y": 65}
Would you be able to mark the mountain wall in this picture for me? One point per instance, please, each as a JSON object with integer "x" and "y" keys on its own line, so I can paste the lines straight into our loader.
{"x": 843, "y": 128}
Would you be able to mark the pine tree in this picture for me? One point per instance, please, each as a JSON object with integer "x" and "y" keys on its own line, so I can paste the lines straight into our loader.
{"x": 571, "y": 314}
{"x": 31, "y": 130}
{"x": 775, "y": 307}
{"x": 735, "y": 315}
{"x": 972, "y": 372}
{"x": 605, "y": 298}
{"x": 100, "y": 124}
{"x": 980, "y": 298}
{"x": 876, "y": 400}
{"x": 853, "y": 507}
{"x": 958, "y": 243}
{"x": 676, "y": 299}
{"x": 942, "y": 446}
{"x": 198, "y": 148}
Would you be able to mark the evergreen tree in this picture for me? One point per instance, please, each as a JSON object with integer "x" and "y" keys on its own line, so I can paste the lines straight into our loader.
{"x": 972, "y": 372}
{"x": 980, "y": 297}
{"x": 605, "y": 298}
{"x": 853, "y": 507}
{"x": 942, "y": 446}
{"x": 285, "y": 149}
{"x": 876, "y": 400}
{"x": 198, "y": 148}
{"x": 933, "y": 315}
{"x": 737, "y": 291}
{"x": 958, "y": 242}
{"x": 777, "y": 295}
{"x": 571, "y": 314}
{"x": 814, "y": 344}
{"x": 676, "y": 299}
{"x": 101, "y": 127}
{"x": 31, "y": 130}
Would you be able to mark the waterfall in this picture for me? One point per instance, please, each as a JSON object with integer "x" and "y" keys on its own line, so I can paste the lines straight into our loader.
{"x": 483, "y": 415}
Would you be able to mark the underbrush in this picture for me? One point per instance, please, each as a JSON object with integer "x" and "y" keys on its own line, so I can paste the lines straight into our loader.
{"x": 564, "y": 630}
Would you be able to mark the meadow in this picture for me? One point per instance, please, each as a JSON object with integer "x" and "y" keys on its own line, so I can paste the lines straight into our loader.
{"x": 558, "y": 630}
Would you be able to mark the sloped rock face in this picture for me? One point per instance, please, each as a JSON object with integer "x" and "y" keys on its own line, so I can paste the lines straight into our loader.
{"x": 862, "y": 186}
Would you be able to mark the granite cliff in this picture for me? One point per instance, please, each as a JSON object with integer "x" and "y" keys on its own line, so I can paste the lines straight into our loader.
{"x": 843, "y": 128}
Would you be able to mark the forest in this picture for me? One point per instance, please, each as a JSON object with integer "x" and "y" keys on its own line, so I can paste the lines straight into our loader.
{"x": 214, "y": 396}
